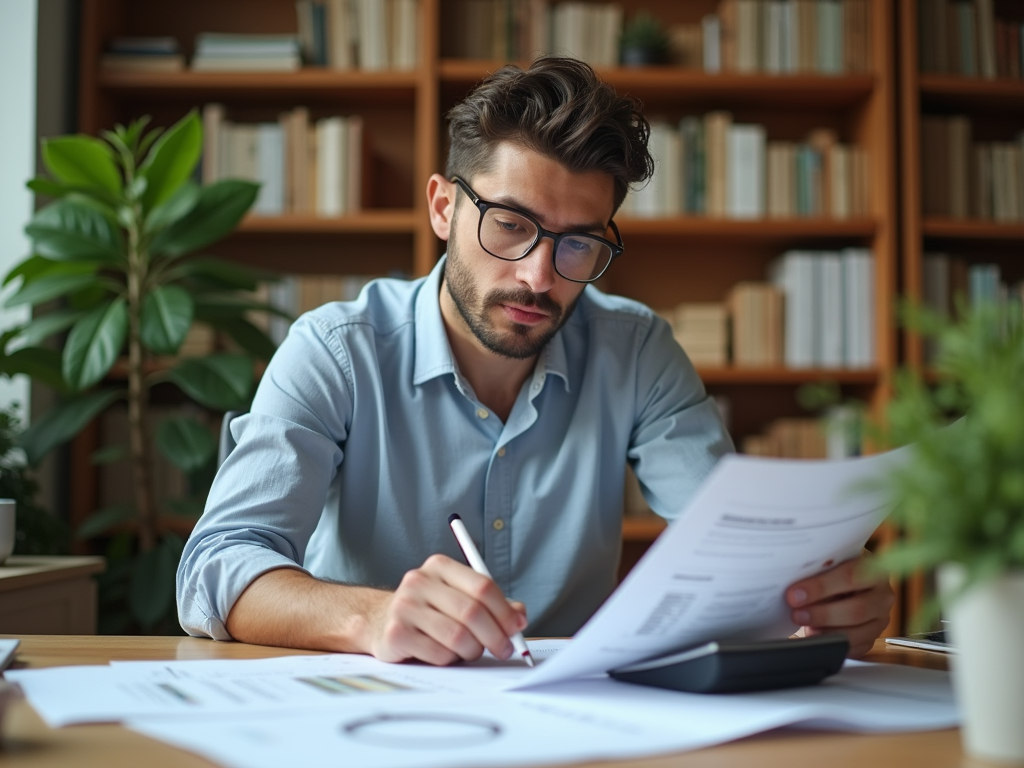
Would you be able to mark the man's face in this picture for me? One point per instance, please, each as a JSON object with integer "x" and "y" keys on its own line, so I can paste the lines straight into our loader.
{"x": 513, "y": 308}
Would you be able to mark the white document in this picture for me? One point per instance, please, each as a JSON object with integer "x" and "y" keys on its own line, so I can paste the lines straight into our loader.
{"x": 143, "y": 689}
{"x": 595, "y": 719}
{"x": 721, "y": 569}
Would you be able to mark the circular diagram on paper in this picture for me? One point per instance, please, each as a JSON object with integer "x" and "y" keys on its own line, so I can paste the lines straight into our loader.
{"x": 422, "y": 730}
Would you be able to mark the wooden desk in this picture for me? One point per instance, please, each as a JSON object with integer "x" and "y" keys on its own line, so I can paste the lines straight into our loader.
{"x": 29, "y": 743}
{"x": 51, "y": 595}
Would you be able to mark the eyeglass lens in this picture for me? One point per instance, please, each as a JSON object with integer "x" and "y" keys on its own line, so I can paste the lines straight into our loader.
{"x": 508, "y": 235}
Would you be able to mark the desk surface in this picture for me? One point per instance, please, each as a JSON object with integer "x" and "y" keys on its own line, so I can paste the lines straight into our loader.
{"x": 29, "y": 742}
{"x": 21, "y": 571}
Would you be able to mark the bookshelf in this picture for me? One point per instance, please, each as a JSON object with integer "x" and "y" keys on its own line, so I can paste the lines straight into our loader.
{"x": 669, "y": 259}
{"x": 995, "y": 108}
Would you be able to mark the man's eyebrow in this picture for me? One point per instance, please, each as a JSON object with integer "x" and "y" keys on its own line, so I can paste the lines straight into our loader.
{"x": 511, "y": 202}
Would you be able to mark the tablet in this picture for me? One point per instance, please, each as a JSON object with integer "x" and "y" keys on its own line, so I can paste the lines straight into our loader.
{"x": 723, "y": 667}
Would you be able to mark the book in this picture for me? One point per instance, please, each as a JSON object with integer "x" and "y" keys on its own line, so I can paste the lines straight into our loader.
{"x": 745, "y": 171}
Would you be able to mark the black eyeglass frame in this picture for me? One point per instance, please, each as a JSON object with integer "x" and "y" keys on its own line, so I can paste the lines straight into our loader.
{"x": 483, "y": 206}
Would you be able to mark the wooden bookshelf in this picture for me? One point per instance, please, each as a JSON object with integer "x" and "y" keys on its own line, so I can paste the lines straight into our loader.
{"x": 667, "y": 261}
{"x": 995, "y": 108}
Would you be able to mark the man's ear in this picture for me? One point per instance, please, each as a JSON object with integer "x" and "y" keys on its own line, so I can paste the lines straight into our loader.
{"x": 441, "y": 204}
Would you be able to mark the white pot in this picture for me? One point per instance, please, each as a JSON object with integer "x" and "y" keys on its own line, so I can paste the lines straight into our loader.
{"x": 987, "y": 626}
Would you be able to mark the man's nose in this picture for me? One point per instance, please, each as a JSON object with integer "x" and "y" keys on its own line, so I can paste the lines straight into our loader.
{"x": 537, "y": 269}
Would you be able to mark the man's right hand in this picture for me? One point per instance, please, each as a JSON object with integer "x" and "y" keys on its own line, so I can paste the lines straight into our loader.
{"x": 443, "y": 612}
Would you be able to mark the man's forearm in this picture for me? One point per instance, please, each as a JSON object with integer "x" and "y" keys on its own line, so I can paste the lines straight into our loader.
{"x": 291, "y": 609}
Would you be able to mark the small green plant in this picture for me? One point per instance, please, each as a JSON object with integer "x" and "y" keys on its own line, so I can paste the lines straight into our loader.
{"x": 960, "y": 496}
{"x": 38, "y": 531}
{"x": 116, "y": 248}
{"x": 644, "y": 40}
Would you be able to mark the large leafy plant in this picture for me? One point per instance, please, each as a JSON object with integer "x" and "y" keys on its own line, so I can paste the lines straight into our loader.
{"x": 114, "y": 251}
{"x": 960, "y": 496}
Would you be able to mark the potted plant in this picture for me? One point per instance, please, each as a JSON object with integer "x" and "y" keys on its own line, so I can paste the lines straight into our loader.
{"x": 960, "y": 502}
{"x": 644, "y": 41}
{"x": 116, "y": 246}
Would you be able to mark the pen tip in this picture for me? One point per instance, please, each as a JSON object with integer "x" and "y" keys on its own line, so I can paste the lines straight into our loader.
{"x": 453, "y": 516}
{"x": 528, "y": 657}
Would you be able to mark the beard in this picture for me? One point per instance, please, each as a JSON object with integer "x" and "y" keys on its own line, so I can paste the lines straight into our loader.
{"x": 521, "y": 342}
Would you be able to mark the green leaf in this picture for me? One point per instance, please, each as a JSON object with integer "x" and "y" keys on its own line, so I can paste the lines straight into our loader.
{"x": 250, "y": 338}
{"x": 221, "y": 382}
{"x": 220, "y": 207}
{"x": 172, "y": 160}
{"x": 166, "y": 317}
{"x": 151, "y": 594}
{"x": 29, "y": 269}
{"x": 186, "y": 443}
{"x": 213, "y": 308}
{"x": 47, "y": 288}
{"x": 94, "y": 343}
{"x": 45, "y": 326}
{"x": 62, "y": 422}
{"x": 110, "y": 454}
{"x": 189, "y": 507}
{"x": 38, "y": 363}
{"x": 104, "y": 520}
{"x": 68, "y": 230}
{"x": 175, "y": 207}
{"x": 82, "y": 160}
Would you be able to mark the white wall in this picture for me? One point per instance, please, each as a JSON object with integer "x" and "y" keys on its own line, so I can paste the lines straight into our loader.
{"x": 17, "y": 157}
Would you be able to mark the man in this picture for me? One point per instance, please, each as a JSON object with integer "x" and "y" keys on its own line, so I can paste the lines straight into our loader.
{"x": 499, "y": 387}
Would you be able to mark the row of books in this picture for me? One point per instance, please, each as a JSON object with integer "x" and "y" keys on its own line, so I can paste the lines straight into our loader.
{"x": 963, "y": 37}
{"x": 772, "y": 36}
{"x": 788, "y": 37}
{"x": 816, "y": 311}
{"x": 715, "y": 167}
{"x": 961, "y": 178}
{"x": 371, "y": 35}
{"x": 303, "y": 166}
{"x": 833, "y": 436}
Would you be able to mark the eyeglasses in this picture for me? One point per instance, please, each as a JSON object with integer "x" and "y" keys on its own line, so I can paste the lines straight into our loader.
{"x": 510, "y": 234}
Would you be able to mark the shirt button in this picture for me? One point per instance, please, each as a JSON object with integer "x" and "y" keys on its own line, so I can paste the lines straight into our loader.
{"x": 501, "y": 451}
{"x": 482, "y": 413}
{"x": 499, "y": 524}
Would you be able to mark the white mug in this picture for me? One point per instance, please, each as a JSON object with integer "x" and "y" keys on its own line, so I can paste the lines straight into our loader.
{"x": 6, "y": 528}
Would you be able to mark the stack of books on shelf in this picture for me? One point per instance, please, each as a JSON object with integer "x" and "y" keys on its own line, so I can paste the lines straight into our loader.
{"x": 829, "y": 308}
{"x": 521, "y": 30}
{"x": 825, "y": 37}
{"x": 712, "y": 166}
{"x": 834, "y": 436}
{"x": 222, "y": 52}
{"x": 965, "y": 179}
{"x": 371, "y": 35}
{"x": 702, "y": 329}
{"x": 756, "y": 311}
{"x": 143, "y": 54}
{"x": 963, "y": 37}
{"x": 303, "y": 167}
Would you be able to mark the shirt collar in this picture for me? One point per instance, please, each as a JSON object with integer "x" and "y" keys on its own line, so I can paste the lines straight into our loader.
{"x": 433, "y": 355}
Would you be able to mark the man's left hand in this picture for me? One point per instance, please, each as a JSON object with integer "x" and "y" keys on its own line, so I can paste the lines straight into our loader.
{"x": 844, "y": 599}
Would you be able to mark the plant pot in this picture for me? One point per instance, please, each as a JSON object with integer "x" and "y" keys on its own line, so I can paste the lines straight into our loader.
{"x": 639, "y": 57}
{"x": 987, "y": 627}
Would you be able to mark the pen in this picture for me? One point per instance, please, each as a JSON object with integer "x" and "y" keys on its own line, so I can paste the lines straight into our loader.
{"x": 477, "y": 564}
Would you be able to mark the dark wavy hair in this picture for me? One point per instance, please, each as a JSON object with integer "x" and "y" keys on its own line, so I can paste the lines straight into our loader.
{"x": 559, "y": 108}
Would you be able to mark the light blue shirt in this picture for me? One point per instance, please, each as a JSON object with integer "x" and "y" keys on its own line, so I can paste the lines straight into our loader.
{"x": 364, "y": 436}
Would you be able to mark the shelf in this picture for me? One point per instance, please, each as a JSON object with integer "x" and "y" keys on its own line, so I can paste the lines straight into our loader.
{"x": 968, "y": 229}
{"x": 761, "y": 376}
{"x": 642, "y": 528}
{"x": 762, "y": 230}
{"x": 1003, "y": 95}
{"x": 373, "y": 86}
{"x": 688, "y": 85}
{"x": 366, "y": 222}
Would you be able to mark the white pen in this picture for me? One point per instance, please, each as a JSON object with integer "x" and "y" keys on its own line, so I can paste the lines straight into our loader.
{"x": 477, "y": 564}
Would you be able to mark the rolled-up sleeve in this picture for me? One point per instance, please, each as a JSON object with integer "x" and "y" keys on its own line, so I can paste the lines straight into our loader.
{"x": 268, "y": 496}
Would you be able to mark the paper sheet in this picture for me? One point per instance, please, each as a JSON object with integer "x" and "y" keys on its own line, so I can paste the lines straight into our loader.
{"x": 93, "y": 694}
{"x": 581, "y": 720}
{"x": 721, "y": 569}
